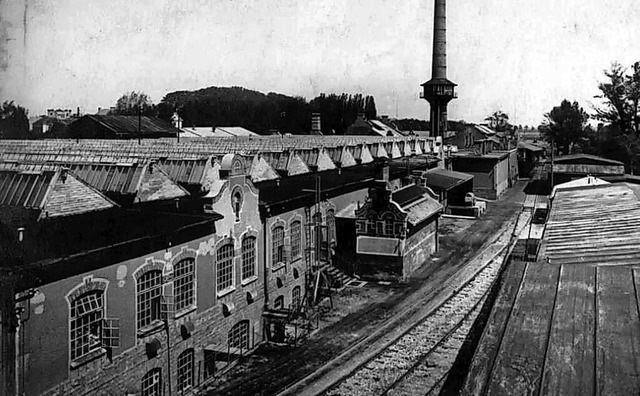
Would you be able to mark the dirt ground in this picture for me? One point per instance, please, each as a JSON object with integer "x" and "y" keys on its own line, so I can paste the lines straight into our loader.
{"x": 358, "y": 311}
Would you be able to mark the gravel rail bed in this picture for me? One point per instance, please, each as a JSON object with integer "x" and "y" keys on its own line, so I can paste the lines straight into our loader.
{"x": 427, "y": 351}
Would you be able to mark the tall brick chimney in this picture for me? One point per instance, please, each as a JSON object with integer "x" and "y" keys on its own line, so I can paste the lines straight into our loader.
{"x": 439, "y": 91}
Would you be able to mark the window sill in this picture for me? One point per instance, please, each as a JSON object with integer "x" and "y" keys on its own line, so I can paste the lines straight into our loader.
{"x": 249, "y": 280}
{"x": 151, "y": 328}
{"x": 278, "y": 266}
{"x": 226, "y": 291}
{"x": 296, "y": 259}
{"x": 185, "y": 311}
{"x": 91, "y": 356}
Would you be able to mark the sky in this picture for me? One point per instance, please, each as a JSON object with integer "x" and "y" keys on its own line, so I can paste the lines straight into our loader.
{"x": 520, "y": 57}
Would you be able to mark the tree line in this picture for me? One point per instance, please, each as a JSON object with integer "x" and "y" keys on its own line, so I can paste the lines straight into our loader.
{"x": 265, "y": 113}
{"x": 617, "y": 135}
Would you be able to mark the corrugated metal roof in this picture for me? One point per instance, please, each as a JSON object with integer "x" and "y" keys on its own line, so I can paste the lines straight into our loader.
{"x": 598, "y": 225}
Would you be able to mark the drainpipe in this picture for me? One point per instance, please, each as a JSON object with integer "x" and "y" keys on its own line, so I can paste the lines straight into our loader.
{"x": 264, "y": 260}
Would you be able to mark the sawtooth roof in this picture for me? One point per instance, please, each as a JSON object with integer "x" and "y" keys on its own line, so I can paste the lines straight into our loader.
{"x": 52, "y": 190}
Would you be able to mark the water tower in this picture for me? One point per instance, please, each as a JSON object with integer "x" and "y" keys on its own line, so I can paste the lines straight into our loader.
{"x": 439, "y": 91}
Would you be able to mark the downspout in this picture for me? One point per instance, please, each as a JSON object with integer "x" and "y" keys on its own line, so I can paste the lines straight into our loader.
{"x": 264, "y": 259}
{"x": 166, "y": 326}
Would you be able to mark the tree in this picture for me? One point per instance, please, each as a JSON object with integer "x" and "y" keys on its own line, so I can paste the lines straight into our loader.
{"x": 132, "y": 102}
{"x": 370, "y": 112}
{"x": 14, "y": 121}
{"x": 499, "y": 121}
{"x": 565, "y": 125}
{"x": 621, "y": 94}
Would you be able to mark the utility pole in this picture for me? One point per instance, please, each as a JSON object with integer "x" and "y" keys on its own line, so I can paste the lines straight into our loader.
{"x": 139, "y": 125}
{"x": 552, "y": 163}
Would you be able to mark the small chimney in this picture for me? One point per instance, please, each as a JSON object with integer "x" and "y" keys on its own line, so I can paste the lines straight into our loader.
{"x": 20, "y": 234}
{"x": 381, "y": 170}
{"x": 316, "y": 128}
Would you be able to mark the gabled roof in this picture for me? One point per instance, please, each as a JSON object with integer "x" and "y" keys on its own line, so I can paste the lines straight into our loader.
{"x": 530, "y": 147}
{"x": 408, "y": 194}
{"x": 417, "y": 202}
{"x": 446, "y": 179}
{"x": 585, "y": 159}
{"x": 484, "y": 129}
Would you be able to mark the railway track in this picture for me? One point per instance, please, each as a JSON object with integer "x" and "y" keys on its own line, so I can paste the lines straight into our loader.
{"x": 399, "y": 354}
{"x": 419, "y": 360}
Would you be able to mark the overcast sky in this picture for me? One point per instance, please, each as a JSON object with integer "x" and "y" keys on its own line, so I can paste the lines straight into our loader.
{"x": 522, "y": 57}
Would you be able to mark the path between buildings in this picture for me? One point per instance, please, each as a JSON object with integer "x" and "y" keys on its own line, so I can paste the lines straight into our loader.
{"x": 378, "y": 309}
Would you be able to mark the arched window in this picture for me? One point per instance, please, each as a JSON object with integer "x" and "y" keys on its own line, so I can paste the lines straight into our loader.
{"x": 248, "y": 257}
{"x": 151, "y": 384}
{"x": 295, "y": 297}
{"x": 224, "y": 267}
{"x": 185, "y": 370}
{"x": 149, "y": 294}
{"x": 237, "y": 168}
{"x": 236, "y": 201}
{"x": 87, "y": 312}
{"x": 296, "y": 239}
{"x": 184, "y": 283}
{"x": 238, "y": 336}
{"x": 277, "y": 245}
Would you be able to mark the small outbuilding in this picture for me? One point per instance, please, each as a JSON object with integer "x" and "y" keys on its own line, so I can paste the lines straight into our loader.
{"x": 395, "y": 232}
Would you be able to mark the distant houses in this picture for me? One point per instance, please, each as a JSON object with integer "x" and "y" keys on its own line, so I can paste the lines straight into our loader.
{"x": 380, "y": 127}
{"x": 119, "y": 127}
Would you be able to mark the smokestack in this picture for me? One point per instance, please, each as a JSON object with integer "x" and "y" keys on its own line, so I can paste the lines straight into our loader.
{"x": 439, "y": 91}
{"x": 439, "y": 60}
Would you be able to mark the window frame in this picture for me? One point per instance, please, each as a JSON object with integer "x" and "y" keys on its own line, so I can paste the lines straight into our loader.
{"x": 248, "y": 255}
{"x": 389, "y": 224}
{"x": 185, "y": 370}
{"x": 240, "y": 331}
{"x": 79, "y": 332}
{"x": 277, "y": 247}
{"x": 228, "y": 271}
{"x": 184, "y": 293}
{"x": 296, "y": 297}
{"x": 296, "y": 239}
{"x": 154, "y": 290}
{"x": 149, "y": 391}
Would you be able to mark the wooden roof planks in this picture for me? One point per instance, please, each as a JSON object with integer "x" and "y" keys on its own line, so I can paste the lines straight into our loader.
{"x": 551, "y": 333}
